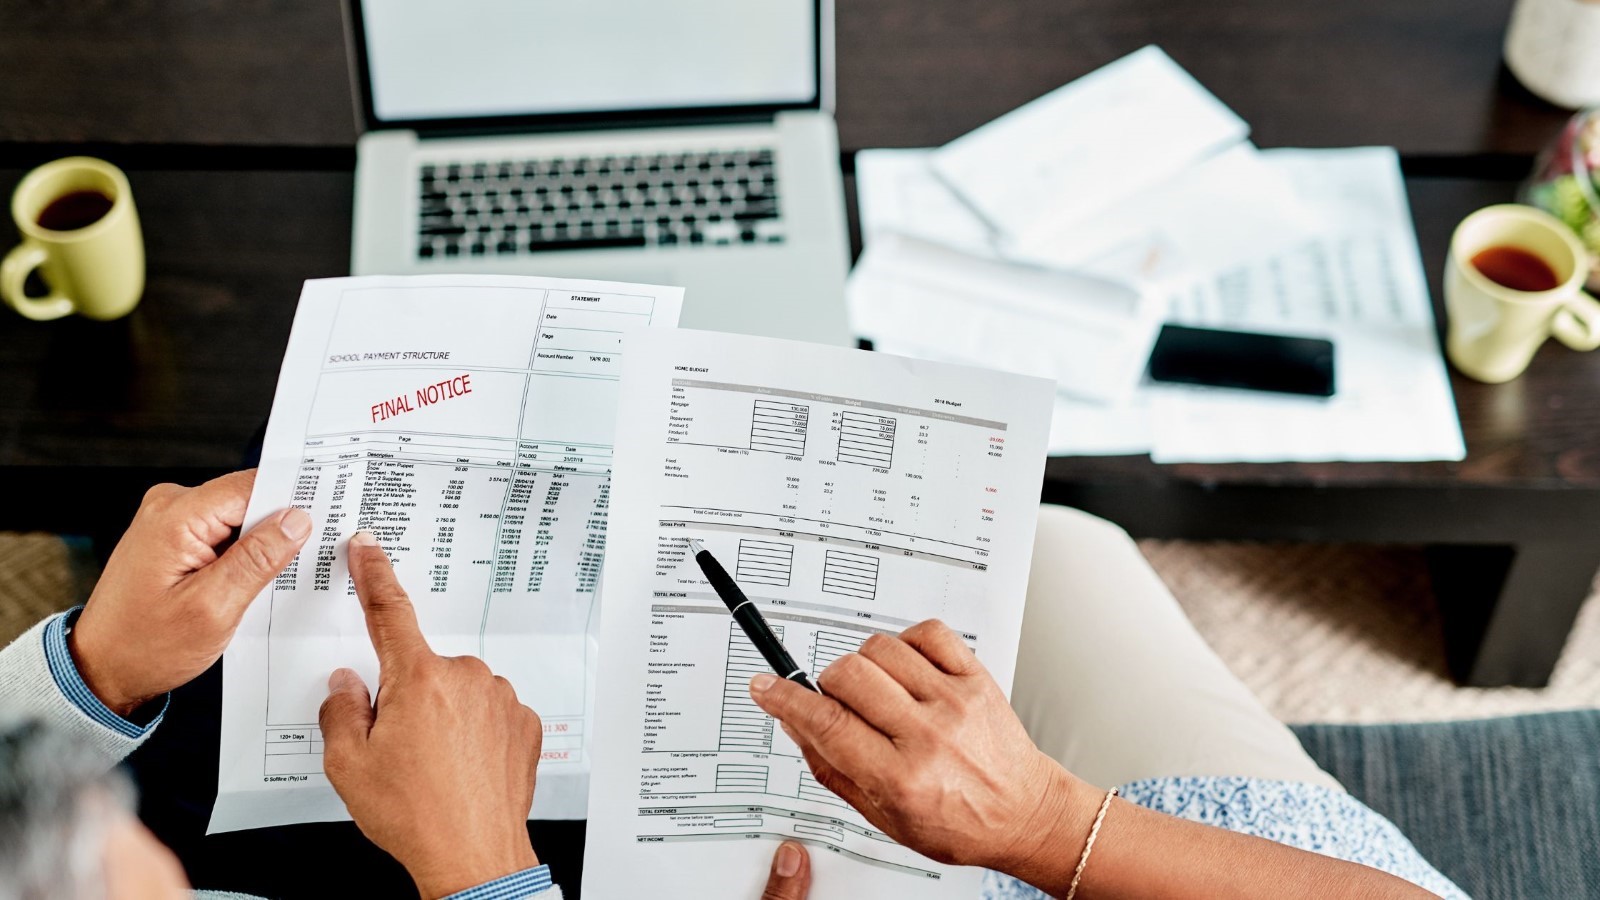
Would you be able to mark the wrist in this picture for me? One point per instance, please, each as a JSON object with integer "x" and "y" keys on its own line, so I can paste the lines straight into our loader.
{"x": 462, "y": 871}
{"x": 1043, "y": 849}
{"x": 98, "y": 679}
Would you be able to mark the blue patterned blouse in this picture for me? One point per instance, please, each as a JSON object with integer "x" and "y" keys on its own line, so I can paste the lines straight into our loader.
{"x": 1307, "y": 816}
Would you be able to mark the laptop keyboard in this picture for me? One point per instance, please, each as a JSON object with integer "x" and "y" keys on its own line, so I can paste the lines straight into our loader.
{"x": 717, "y": 197}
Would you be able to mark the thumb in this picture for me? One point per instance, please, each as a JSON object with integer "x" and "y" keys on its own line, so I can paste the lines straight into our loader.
{"x": 790, "y": 878}
{"x": 253, "y": 561}
{"x": 346, "y": 716}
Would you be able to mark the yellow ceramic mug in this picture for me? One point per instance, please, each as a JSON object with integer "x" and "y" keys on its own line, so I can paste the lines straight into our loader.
{"x": 93, "y": 264}
{"x": 1495, "y": 330}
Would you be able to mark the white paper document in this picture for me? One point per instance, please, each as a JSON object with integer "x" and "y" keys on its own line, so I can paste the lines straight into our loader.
{"x": 1077, "y": 427}
{"x": 1089, "y": 335}
{"x": 1072, "y": 153}
{"x": 467, "y": 421}
{"x": 1359, "y": 283}
{"x": 897, "y": 192}
{"x": 1226, "y": 210}
{"x": 849, "y": 493}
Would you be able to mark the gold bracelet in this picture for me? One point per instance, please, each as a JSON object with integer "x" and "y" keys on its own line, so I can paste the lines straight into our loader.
{"x": 1088, "y": 846}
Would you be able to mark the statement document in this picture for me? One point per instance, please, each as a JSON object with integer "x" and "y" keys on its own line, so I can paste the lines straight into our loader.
{"x": 467, "y": 422}
{"x": 848, "y": 493}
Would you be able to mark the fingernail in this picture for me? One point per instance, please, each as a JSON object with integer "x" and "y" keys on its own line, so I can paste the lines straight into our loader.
{"x": 295, "y": 524}
{"x": 363, "y": 539}
{"x": 760, "y": 683}
{"x": 788, "y": 861}
{"x": 339, "y": 679}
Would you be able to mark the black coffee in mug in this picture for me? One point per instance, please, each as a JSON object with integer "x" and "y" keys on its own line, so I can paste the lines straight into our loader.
{"x": 1516, "y": 268}
{"x": 79, "y": 209}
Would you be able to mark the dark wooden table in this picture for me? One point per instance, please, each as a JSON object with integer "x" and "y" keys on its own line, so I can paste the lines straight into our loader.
{"x": 234, "y": 122}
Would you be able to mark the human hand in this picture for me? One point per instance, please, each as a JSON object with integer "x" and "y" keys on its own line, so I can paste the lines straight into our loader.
{"x": 167, "y": 603}
{"x": 790, "y": 878}
{"x": 915, "y": 734}
{"x": 441, "y": 773}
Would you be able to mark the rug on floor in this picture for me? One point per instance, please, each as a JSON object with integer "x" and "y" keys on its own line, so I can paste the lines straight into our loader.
{"x": 1348, "y": 633}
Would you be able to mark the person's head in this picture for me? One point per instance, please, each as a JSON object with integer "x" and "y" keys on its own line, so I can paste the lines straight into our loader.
{"x": 67, "y": 829}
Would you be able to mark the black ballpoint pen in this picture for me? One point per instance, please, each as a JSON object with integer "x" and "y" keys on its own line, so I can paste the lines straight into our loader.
{"x": 749, "y": 618}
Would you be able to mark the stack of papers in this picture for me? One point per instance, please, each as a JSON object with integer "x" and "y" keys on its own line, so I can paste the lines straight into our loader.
{"x": 1140, "y": 191}
{"x": 473, "y": 423}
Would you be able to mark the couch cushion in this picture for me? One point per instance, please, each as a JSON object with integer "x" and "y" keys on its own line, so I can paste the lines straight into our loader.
{"x": 1507, "y": 807}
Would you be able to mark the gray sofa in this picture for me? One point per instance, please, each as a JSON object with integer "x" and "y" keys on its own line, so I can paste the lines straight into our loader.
{"x": 1507, "y": 808}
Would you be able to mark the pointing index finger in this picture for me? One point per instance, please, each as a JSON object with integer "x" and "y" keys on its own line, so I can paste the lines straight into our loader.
{"x": 391, "y": 619}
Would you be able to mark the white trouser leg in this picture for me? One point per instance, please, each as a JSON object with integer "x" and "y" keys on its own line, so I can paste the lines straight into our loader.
{"x": 1115, "y": 683}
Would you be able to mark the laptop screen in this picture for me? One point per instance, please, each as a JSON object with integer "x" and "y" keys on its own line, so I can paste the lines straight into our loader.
{"x": 469, "y": 59}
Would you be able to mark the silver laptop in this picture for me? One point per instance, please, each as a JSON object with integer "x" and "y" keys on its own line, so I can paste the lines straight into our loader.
{"x": 686, "y": 143}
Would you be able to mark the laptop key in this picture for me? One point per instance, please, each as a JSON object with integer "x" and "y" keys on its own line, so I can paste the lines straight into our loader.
{"x": 757, "y": 211}
{"x": 587, "y": 242}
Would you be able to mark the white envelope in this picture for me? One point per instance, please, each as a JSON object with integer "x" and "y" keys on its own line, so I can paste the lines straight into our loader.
{"x": 1075, "y": 151}
{"x": 1225, "y": 211}
{"x": 1091, "y": 335}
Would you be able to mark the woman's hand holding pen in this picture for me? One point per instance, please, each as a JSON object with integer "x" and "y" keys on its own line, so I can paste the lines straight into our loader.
{"x": 913, "y": 732}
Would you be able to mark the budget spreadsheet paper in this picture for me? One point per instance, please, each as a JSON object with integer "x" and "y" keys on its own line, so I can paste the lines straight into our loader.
{"x": 849, "y": 493}
{"x": 467, "y": 422}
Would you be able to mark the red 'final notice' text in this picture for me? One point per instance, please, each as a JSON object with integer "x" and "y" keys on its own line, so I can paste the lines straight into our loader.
{"x": 449, "y": 389}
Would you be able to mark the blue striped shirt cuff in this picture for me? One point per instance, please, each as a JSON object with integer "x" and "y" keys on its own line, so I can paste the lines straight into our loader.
{"x": 512, "y": 887}
{"x": 65, "y": 673}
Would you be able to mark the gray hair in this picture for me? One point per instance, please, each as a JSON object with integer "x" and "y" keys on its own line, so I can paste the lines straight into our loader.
{"x": 57, "y": 802}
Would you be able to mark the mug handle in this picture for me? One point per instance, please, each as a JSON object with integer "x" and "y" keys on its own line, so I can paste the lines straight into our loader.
{"x": 23, "y": 259}
{"x": 1577, "y": 324}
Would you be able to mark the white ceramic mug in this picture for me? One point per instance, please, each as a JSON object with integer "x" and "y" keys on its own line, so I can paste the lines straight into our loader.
{"x": 1495, "y": 330}
{"x": 1553, "y": 47}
